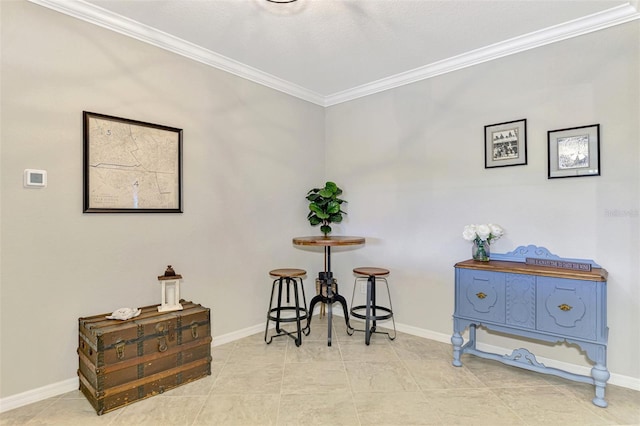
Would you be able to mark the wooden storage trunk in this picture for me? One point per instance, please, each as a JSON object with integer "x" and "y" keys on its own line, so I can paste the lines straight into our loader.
{"x": 121, "y": 362}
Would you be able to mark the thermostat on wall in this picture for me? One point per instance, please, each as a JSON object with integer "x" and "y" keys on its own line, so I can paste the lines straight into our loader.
{"x": 35, "y": 178}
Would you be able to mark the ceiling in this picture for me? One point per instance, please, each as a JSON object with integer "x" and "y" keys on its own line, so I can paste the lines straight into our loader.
{"x": 329, "y": 51}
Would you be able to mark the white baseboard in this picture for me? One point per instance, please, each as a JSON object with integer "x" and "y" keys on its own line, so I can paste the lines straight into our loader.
{"x": 39, "y": 394}
{"x": 55, "y": 389}
{"x": 237, "y": 335}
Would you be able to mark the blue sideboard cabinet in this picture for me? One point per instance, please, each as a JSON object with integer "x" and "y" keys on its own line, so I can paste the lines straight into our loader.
{"x": 545, "y": 303}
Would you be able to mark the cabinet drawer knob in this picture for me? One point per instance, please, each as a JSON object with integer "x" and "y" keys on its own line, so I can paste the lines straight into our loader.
{"x": 565, "y": 307}
{"x": 481, "y": 295}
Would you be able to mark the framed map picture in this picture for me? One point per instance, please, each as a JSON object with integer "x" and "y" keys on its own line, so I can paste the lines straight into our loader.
{"x": 505, "y": 144}
{"x": 131, "y": 166}
{"x": 574, "y": 152}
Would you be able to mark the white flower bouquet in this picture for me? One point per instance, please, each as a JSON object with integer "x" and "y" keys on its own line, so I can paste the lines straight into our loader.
{"x": 481, "y": 236}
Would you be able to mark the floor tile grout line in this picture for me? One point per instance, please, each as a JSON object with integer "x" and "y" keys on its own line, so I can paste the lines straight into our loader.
{"x": 202, "y": 405}
{"x": 209, "y": 393}
{"x": 46, "y": 407}
{"x": 564, "y": 389}
{"x": 507, "y": 406}
{"x": 284, "y": 366}
{"x": 351, "y": 392}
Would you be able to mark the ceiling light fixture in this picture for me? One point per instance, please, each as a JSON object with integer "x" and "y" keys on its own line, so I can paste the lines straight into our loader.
{"x": 281, "y": 1}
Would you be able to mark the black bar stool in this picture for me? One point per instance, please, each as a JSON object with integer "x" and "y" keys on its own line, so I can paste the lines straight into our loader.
{"x": 288, "y": 277}
{"x": 372, "y": 311}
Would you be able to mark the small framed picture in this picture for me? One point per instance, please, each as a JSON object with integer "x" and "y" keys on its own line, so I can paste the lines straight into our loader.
{"x": 574, "y": 152}
{"x": 505, "y": 144}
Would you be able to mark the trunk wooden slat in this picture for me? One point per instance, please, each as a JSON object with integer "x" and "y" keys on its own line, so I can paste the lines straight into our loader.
{"x": 121, "y": 362}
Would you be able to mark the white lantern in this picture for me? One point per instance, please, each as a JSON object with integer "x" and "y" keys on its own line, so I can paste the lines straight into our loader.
{"x": 170, "y": 282}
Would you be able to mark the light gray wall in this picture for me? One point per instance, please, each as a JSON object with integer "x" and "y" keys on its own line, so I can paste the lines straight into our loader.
{"x": 412, "y": 161}
{"x": 250, "y": 155}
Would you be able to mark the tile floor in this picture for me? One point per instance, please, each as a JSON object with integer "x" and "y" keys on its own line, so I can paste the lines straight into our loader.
{"x": 409, "y": 381}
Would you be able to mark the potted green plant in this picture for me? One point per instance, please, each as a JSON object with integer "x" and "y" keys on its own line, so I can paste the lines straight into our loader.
{"x": 325, "y": 206}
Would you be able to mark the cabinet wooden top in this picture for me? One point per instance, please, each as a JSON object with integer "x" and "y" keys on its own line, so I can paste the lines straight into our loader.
{"x": 328, "y": 241}
{"x": 596, "y": 274}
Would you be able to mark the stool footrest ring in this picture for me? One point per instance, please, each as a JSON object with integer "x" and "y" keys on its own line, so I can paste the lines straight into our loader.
{"x": 386, "y": 316}
{"x": 303, "y": 314}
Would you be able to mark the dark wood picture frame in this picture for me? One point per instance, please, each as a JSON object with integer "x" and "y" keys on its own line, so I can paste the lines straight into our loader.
{"x": 130, "y": 166}
{"x": 574, "y": 152}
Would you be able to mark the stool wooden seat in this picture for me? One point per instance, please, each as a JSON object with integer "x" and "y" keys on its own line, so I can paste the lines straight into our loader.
{"x": 371, "y": 312}
{"x": 287, "y": 277}
{"x": 288, "y": 272}
{"x": 368, "y": 270}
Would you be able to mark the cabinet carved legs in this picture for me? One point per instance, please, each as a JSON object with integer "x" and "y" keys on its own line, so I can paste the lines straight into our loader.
{"x": 600, "y": 376}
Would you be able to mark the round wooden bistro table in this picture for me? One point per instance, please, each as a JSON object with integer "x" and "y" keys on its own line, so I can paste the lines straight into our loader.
{"x": 326, "y": 294}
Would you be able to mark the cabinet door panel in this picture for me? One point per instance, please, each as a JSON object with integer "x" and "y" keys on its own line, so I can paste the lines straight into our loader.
{"x": 567, "y": 307}
{"x": 521, "y": 300}
{"x": 481, "y": 295}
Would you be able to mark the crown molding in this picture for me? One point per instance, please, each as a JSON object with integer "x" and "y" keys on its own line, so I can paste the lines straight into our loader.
{"x": 128, "y": 27}
{"x": 590, "y": 23}
{"x": 106, "y": 19}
